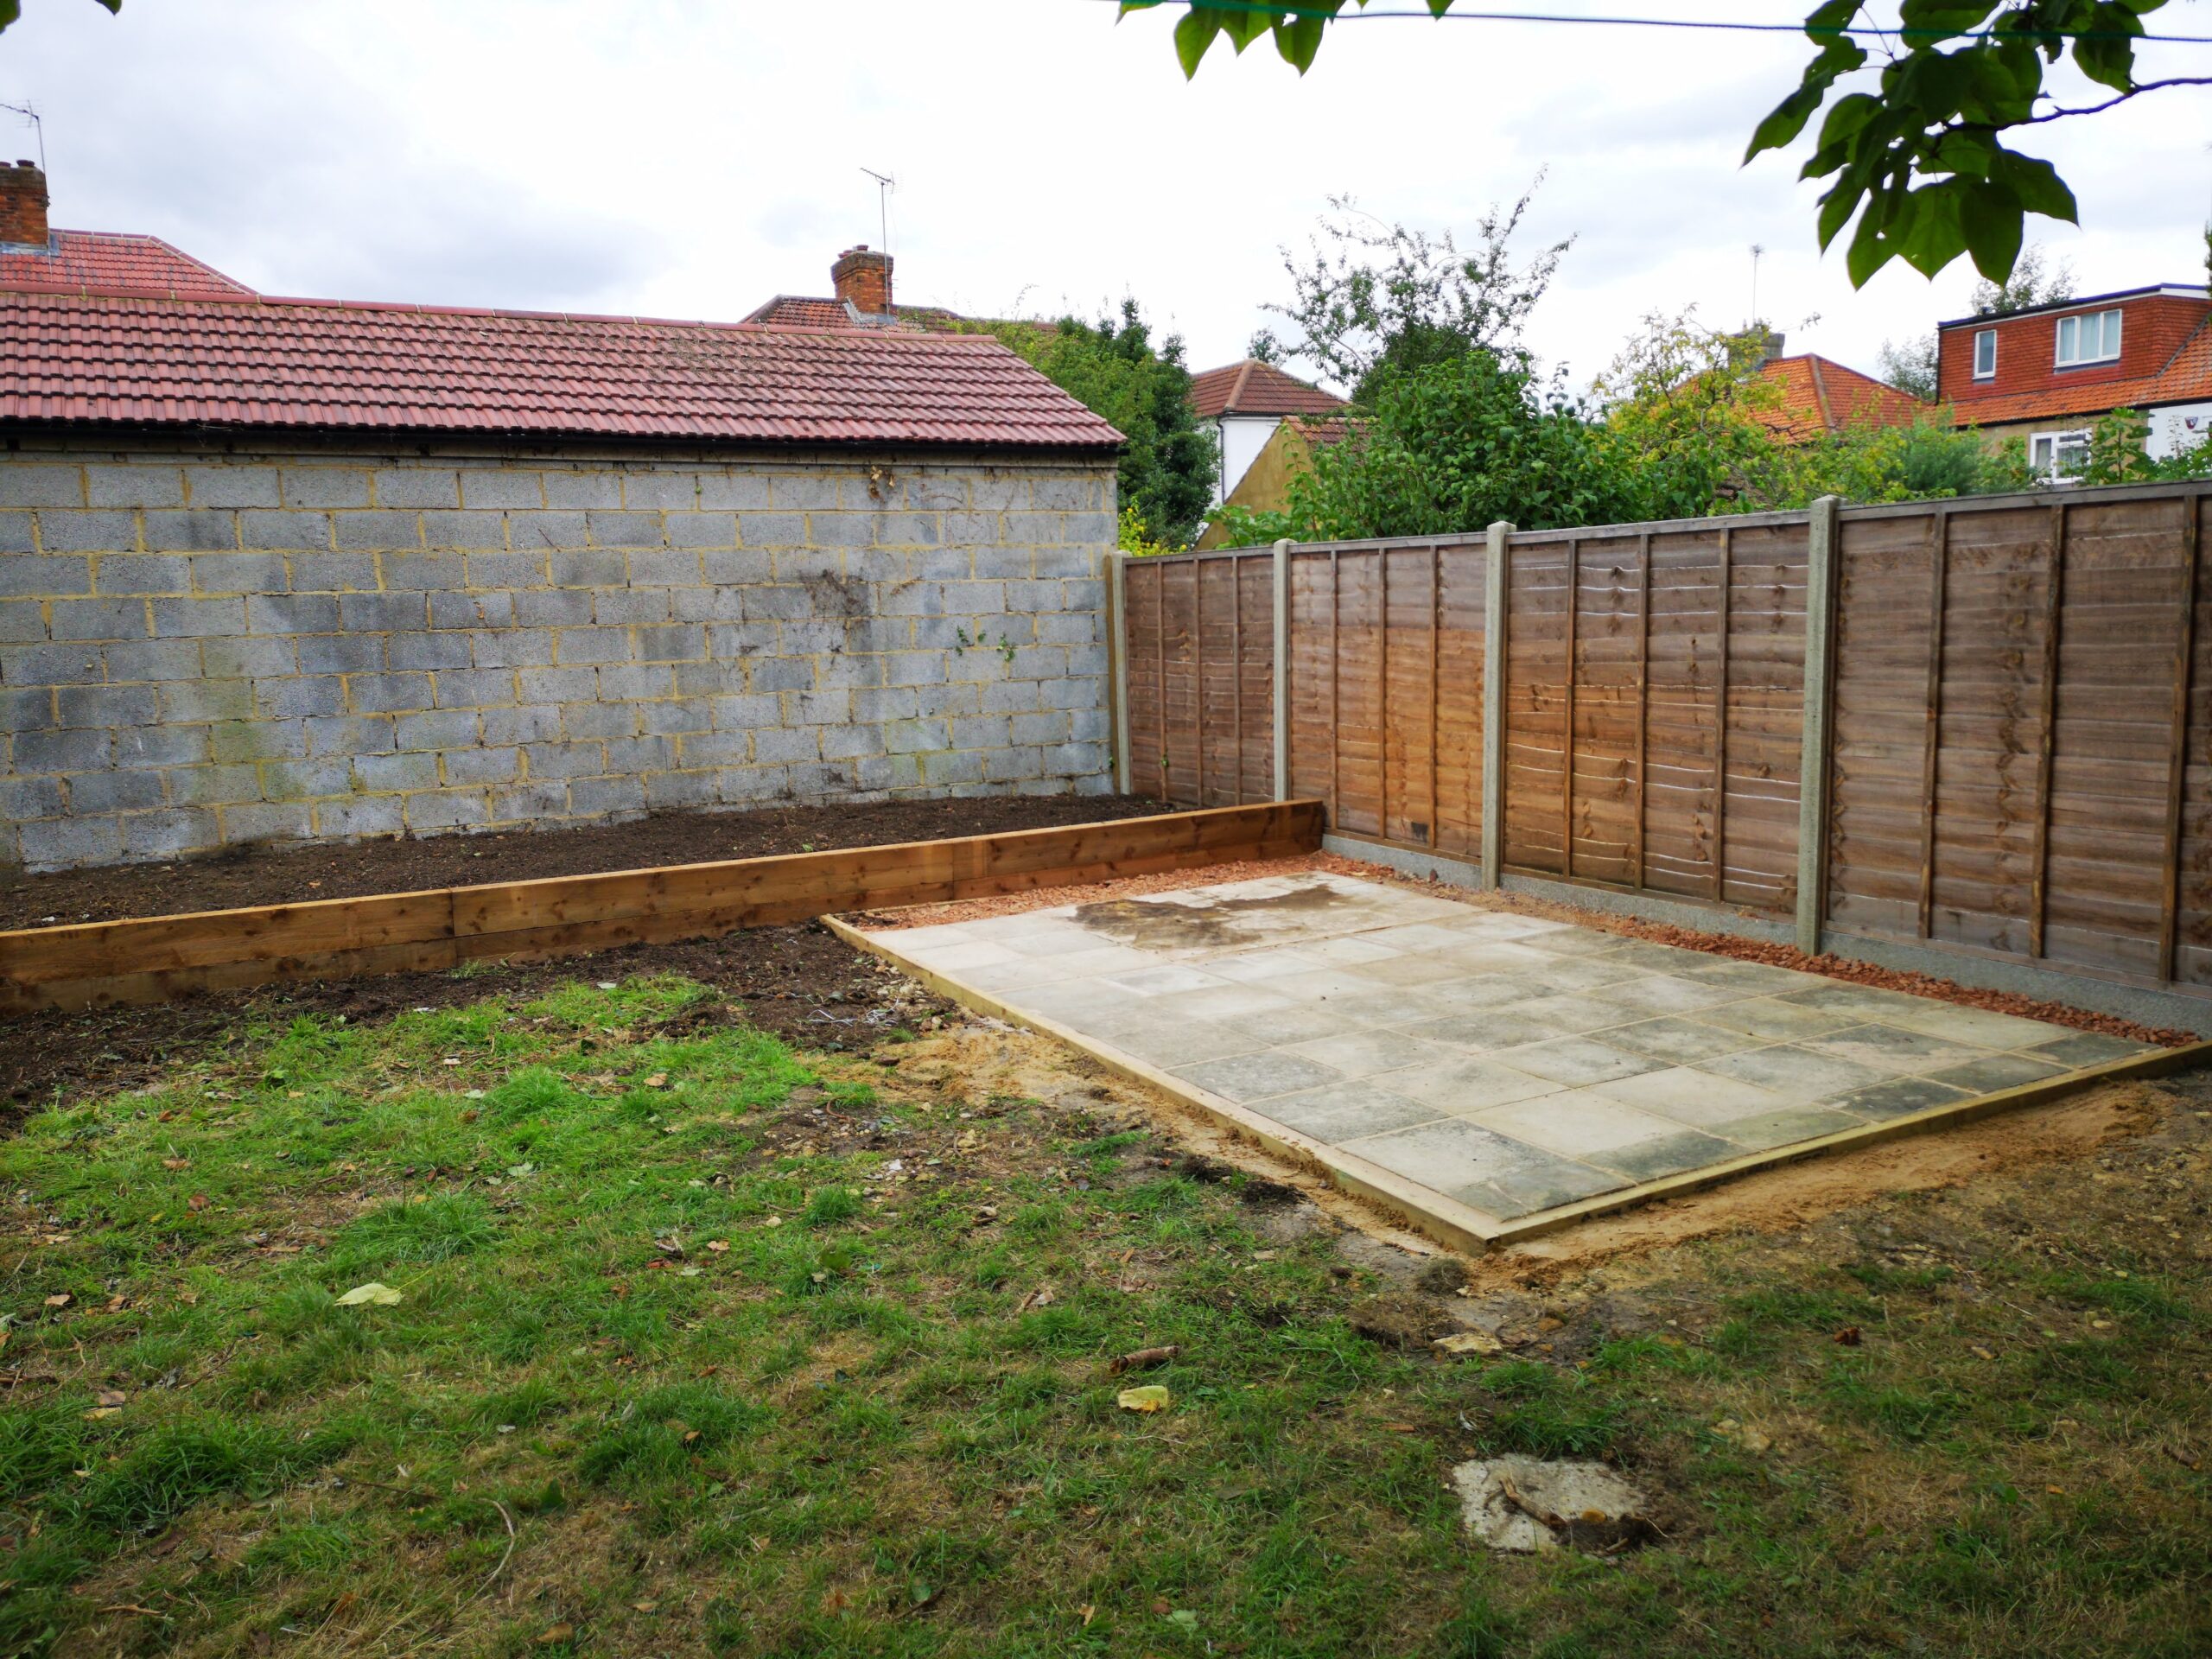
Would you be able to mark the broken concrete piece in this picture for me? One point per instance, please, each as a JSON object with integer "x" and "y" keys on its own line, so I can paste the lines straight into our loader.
{"x": 1512, "y": 1502}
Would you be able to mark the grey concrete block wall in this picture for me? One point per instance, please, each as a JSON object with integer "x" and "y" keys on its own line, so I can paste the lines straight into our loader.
{"x": 197, "y": 650}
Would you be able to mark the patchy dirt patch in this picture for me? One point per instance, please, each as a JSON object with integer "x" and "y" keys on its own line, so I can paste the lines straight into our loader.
{"x": 271, "y": 874}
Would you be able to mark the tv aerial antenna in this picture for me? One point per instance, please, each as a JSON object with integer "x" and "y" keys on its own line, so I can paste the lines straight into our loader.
{"x": 37, "y": 126}
{"x": 885, "y": 184}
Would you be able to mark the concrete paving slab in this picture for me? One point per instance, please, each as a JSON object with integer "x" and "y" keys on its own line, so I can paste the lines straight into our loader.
{"x": 1481, "y": 1067}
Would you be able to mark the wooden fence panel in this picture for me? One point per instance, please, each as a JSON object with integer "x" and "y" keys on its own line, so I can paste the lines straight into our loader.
{"x": 1605, "y": 810}
{"x": 1461, "y": 569}
{"x": 1538, "y": 697}
{"x": 2191, "y": 957}
{"x": 1685, "y": 669}
{"x": 1755, "y": 823}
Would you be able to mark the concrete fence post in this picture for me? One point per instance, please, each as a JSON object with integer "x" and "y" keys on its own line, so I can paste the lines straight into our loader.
{"x": 1281, "y": 682}
{"x": 1494, "y": 631}
{"x": 1117, "y": 654}
{"x": 1813, "y": 750}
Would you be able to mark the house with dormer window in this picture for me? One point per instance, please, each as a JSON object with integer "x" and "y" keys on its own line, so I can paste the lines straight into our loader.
{"x": 2048, "y": 373}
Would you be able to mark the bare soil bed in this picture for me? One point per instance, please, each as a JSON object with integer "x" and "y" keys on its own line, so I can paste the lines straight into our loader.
{"x": 292, "y": 875}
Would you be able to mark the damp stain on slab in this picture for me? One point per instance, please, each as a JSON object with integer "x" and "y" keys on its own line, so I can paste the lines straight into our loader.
{"x": 1216, "y": 922}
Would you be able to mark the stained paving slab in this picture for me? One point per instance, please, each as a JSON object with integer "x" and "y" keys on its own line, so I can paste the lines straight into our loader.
{"x": 1510, "y": 1064}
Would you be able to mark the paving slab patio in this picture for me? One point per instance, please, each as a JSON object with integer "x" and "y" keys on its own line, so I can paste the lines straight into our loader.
{"x": 1505, "y": 1064}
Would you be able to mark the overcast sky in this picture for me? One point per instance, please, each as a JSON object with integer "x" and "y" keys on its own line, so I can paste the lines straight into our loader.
{"x": 683, "y": 159}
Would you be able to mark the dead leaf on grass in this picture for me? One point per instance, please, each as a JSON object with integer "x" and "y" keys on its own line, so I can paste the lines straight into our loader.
{"x": 176, "y": 1163}
{"x": 60, "y": 1299}
{"x": 558, "y": 1634}
{"x": 380, "y": 1295}
{"x": 718, "y": 1245}
{"x": 197, "y": 1201}
{"x": 1150, "y": 1397}
{"x": 1468, "y": 1342}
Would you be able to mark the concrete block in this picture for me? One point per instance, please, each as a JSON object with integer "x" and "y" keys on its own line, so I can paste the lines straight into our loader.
{"x": 475, "y": 687}
{"x": 1071, "y": 561}
{"x": 389, "y": 693}
{"x": 676, "y": 642}
{"x": 583, "y": 489}
{"x": 836, "y": 671}
{"x": 214, "y": 786}
{"x": 472, "y": 610}
{"x": 487, "y": 487}
{"x": 266, "y": 657}
{"x": 394, "y": 772}
{"x": 1012, "y": 766}
{"x": 1069, "y": 628}
{"x": 904, "y": 530}
{"x": 778, "y": 746}
{"x": 441, "y": 728}
{"x": 358, "y": 816}
{"x": 414, "y": 649}
{"x": 254, "y": 821}
{"x": 620, "y": 607}
{"x": 912, "y": 599}
{"x": 239, "y": 573}
{"x": 542, "y": 532}
{"x": 483, "y": 766}
{"x": 578, "y": 645}
{"x": 709, "y": 679}
{"x": 850, "y": 742}
{"x": 321, "y": 694}
{"x": 914, "y": 668}
{"x": 879, "y": 564}
{"x": 22, "y": 622}
{"x": 771, "y": 530}
{"x": 32, "y": 708}
{"x": 43, "y": 575}
{"x": 384, "y": 612}
{"x": 703, "y": 604}
{"x": 186, "y": 702}
{"x": 532, "y": 803}
{"x": 99, "y": 618}
{"x": 891, "y": 703}
{"x": 913, "y": 736}
{"x": 351, "y": 734}
{"x": 161, "y": 747}
{"x": 1007, "y": 564}
{"x": 697, "y": 749}
{"x": 1039, "y": 663}
{"x": 416, "y": 486}
{"x": 87, "y": 531}
{"x": 92, "y": 792}
{"x": 948, "y": 702}
{"x": 340, "y": 653}
{"x": 751, "y": 785}
{"x": 980, "y": 530}
{"x": 299, "y": 531}
{"x": 1035, "y": 730}
{"x": 18, "y": 533}
{"x": 49, "y": 665}
{"x": 738, "y": 566}
{"x": 1084, "y": 692}
{"x": 304, "y": 780}
{"x": 565, "y": 760}
{"x": 243, "y": 742}
{"x": 779, "y": 674}
{"x": 324, "y": 486}
{"x": 668, "y": 790}
{"x": 980, "y": 731}
{"x": 513, "y": 648}
{"x": 666, "y": 567}
{"x": 218, "y": 486}
{"x": 1076, "y": 759}
{"x": 809, "y": 639}
{"x": 725, "y": 490}
{"x": 168, "y": 834}
{"x": 101, "y": 705}
{"x": 804, "y": 491}
{"x": 728, "y": 641}
{"x": 412, "y": 569}
{"x": 65, "y": 750}
{"x": 953, "y": 770}
{"x": 743, "y": 712}
{"x": 142, "y": 573}
{"x": 635, "y": 756}
{"x": 558, "y": 684}
{"x": 198, "y": 619}
{"x": 1012, "y": 697}
{"x": 291, "y": 613}
{"x": 200, "y": 529}
{"x": 1091, "y": 532}
{"x": 878, "y": 634}
{"x": 933, "y": 490}
{"x": 31, "y": 484}
{"x": 1063, "y": 494}
{"x": 334, "y": 573}
{"x": 599, "y": 797}
{"x": 661, "y": 491}
{"x": 535, "y": 722}
{"x": 66, "y": 844}
{"x": 840, "y": 529}
{"x": 588, "y": 567}
{"x": 464, "y": 531}
{"x": 771, "y": 603}
{"x": 584, "y": 720}
{"x": 377, "y": 529}
{"x": 998, "y": 491}
{"x": 613, "y": 529}
{"x": 1090, "y": 725}
{"x": 630, "y": 682}
{"x": 489, "y": 570}
{"x": 554, "y": 608}
{"x": 889, "y": 771}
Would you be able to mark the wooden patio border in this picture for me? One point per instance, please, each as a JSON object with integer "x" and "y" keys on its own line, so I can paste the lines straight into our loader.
{"x": 154, "y": 959}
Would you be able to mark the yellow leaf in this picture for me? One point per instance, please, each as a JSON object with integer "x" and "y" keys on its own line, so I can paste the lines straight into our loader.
{"x": 1151, "y": 1397}
{"x": 382, "y": 1295}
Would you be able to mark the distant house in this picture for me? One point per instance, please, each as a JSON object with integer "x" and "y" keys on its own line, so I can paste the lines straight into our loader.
{"x": 1265, "y": 486}
{"x": 860, "y": 298}
{"x": 1243, "y": 403}
{"x": 2046, "y": 374}
{"x": 1821, "y": 398}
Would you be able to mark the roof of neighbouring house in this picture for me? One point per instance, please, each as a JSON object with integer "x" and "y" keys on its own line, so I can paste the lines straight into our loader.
{"x": 2184, "y": 378}
{"x": 1821, "y": 397}
{"x": 1256, "y": 387}
{"x": 802, "y": 311}
{"x": 110, "y": 263}
{"x": 125, "y": 359}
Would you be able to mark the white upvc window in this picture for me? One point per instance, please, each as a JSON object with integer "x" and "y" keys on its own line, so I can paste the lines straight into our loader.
{"x": 2089, "y": 337}
{"x": 2059, "y": 456}
{"x": 1985, "y": 355}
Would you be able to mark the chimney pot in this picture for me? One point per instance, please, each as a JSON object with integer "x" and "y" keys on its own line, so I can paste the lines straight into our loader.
{"x": 23, "y": 205}
{"x": 863, "y": 280}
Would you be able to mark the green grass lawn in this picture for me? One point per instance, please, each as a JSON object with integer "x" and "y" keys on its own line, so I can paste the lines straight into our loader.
{"x": 708, "y": 1346}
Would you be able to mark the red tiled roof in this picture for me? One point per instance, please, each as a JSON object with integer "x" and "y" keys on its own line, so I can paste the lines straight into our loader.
{"x": 106, "y": 359}
{"x": 1821, "y": 397}
{"x": 2184, "y": 378}
{"x": 801, "y": 311}
{"x": 101, "y": 262}
{"x": 1256, "y": 387}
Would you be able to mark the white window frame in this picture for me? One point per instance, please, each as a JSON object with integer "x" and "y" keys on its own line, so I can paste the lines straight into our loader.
{"x": 2105, "y": 325}
{"x": 1988, "y": 336}
{"x": 2053, "y": 445}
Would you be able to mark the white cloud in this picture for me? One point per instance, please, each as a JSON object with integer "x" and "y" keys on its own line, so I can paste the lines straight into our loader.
{"x": 693, "y": 158}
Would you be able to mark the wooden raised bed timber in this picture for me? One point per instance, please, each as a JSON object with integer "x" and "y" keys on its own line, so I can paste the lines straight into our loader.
{"x": 157, "y": 958}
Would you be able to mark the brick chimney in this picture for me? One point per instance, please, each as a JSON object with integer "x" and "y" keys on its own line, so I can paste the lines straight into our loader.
{"x": 22, "y": 205}
{"x": 863, "y": 280}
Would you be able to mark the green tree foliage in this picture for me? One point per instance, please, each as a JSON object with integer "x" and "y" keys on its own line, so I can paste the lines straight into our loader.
{"x": 2117, "y": 455}
{"x": 1910, "y": 368}
{"x": 1913, "y": 147}
{"x": 2029, "y": 284}
{"x": 1113, "y": 368}
{"x": 1374, "y": 294}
